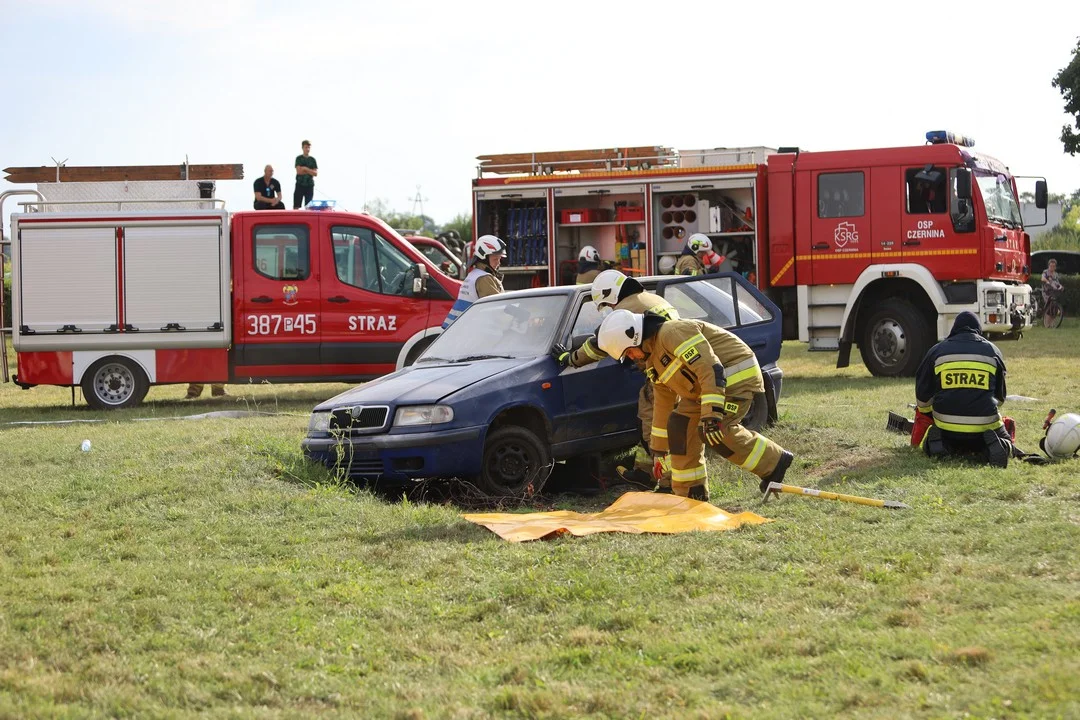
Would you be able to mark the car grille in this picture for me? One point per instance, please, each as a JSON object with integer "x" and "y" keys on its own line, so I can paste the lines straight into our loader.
{"x": 361, "y": 418}
{"x": 363, "y": 468}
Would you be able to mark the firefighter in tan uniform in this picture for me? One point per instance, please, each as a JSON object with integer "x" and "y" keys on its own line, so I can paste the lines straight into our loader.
{"x": 704, "y": 376}
{"x": 588, "y": 265}
{"x": 612, "y": 290}
{"x": 693, "y": 258}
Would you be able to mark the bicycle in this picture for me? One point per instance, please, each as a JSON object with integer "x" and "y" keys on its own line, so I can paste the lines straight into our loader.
{"x": 1052, "y": 312}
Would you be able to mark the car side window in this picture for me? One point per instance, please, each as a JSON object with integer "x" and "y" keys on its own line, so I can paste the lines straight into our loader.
{"x": 395, "y": 268}
{"x": 588, "y": 319}
{"x": 281, "y": 252}
{"x": 714, "y": 299}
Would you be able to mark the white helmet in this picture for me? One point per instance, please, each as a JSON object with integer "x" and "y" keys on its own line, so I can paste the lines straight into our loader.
{"x": 488, "y": 245}
{"x": 699, "y": 242}
{"x": 1063, "y": 436}
{"x": 666, "y": 265}
{"x": 606, "y": 287}
{"x": 589, "y": 254}
{"x": 620, "y": 330}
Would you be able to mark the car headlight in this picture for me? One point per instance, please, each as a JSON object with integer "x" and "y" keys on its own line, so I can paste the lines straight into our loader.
{"x": 319, "y": 423}
{"x": 995, "y": 298}
{"x": 423, "y": 415}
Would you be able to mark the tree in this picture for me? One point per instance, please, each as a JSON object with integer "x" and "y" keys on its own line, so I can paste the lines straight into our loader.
{"x": 1068, "y": 82}
{"x": 462, "y": 224}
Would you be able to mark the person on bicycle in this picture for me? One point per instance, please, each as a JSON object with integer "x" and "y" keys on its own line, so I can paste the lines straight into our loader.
{"x": 1051, "y": 283}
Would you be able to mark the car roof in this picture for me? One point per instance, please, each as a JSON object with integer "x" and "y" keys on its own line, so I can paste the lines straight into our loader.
{"x": 648, "y": 282}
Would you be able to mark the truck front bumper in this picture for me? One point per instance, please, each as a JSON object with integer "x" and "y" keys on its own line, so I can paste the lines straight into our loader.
{"x": 1004, "y": 308}
{"x": 406, "y": 456}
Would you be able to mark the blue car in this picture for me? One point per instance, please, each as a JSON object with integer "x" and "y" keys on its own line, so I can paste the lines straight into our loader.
{"x": 487, "y": 402}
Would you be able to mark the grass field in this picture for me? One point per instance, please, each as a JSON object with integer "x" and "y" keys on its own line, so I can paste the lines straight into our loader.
{"x": 188, "y": 568}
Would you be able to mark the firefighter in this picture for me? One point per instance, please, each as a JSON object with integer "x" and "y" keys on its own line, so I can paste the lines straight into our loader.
{"x": 958, "y": 389}
{"x": 612, "y": 290}
{"x": 195, "y": 390}
{"x": 484, "y": 279}
{"x": 693, "y": 259}
{"x": 705, "y": 382}
{"x": 588, "y": 265}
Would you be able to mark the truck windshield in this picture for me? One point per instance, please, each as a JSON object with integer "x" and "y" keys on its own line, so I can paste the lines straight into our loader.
{"x": 1001, "y": 206}
{"x": 511, "y": 328}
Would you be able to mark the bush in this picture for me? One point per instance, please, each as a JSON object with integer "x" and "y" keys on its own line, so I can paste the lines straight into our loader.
{"x": 1070, "y": 296}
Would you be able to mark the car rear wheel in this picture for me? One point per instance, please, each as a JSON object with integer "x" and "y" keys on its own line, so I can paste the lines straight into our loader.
{"x": 516, "y": 462}
{"x": 114, "y": 383}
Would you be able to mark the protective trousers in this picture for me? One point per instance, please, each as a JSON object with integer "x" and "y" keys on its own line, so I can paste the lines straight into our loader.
{"x": 994, "y": 447}
{"x": 749, "y": 450}
{"x": 645, "y": 415}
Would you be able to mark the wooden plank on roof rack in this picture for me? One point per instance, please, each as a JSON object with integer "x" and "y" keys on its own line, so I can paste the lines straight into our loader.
{"x": 567, "y": 160}
{"x": 46, "y": 174}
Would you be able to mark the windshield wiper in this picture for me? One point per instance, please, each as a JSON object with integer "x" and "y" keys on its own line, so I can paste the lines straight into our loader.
{"x": 432, "y": 359}
{"x": 469, "y": 358}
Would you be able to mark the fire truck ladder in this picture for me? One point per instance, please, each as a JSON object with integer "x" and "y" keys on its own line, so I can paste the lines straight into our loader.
{"x": 546, "y": 163}
{"x": 5, "y": 329}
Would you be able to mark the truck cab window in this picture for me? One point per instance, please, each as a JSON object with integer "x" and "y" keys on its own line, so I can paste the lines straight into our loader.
{"x": 960, "y": 211}
{"x": 925, "y": 190}
{"x": 370, "y": 262}
{"x": 841, "y": 195}
{"x": 354, "y": 258}
{"x": 281, "y": 252}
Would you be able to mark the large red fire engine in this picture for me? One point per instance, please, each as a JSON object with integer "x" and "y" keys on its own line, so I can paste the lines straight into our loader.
{"x": 117, "y": 300}
{"x": 878, "y": 248}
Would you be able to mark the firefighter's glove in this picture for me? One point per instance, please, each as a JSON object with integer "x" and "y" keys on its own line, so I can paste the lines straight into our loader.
{"x": 711, "y": 431}
{"x": 661, "y": 466}
{"x": 561, "y": 355}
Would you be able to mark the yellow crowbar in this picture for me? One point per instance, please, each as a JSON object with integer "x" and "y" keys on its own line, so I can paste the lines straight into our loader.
{"x": 775, "y": 487}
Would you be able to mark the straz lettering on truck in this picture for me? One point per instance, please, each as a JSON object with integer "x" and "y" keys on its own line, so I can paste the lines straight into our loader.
{"x": 372, "y": 322}
{"x": 277, "y": 324}
{"x": 975, "y": 379}
{"x": 925, "y": 230}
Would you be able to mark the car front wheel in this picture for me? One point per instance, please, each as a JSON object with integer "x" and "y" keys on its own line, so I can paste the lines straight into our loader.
{"x": 516, "y": 462}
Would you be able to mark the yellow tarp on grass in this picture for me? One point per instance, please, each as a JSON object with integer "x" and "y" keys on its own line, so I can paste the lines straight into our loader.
{"x": 634, "y": 512}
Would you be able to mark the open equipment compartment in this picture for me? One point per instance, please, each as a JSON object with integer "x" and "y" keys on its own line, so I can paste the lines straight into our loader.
{"x": 609, "y": 217}
{"x": 520, "y": 218}
{"x": 725, "y": 209}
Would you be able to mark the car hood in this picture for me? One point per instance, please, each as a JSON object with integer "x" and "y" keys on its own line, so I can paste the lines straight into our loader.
{"x": 423, "y": 384}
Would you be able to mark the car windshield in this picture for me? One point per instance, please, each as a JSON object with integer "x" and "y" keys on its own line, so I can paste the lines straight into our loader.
{"x": 998, "y": 197}
{"x": 512, "y": 328}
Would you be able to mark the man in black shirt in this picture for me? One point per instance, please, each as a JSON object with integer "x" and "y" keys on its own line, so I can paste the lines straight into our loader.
{"x": 268, "y": 192}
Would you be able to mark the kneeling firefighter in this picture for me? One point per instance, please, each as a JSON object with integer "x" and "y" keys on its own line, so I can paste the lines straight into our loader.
{"x": 958, "y": 389}
{"x": 483, "y": 280}
{"x": 612, "y": 290}
{"x": 703, "y": 375}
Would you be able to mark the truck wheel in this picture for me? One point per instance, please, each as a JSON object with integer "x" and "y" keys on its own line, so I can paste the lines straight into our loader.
{"x": 895, "y": 339}
{"x": 514, "y": 459}
{"x": 114, "y": 383}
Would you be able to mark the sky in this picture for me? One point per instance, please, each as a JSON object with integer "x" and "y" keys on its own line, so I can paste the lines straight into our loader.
{"x": 395, "y": 95}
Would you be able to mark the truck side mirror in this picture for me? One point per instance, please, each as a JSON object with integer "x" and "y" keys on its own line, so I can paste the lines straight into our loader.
{"x": 1041, "y": 195}
{"x": 963, "y": 183}
{"x": 419, "y": 283}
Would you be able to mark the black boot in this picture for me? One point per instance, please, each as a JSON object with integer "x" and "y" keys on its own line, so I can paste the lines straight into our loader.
{"x": 777, "y": 475}
{"x": 699, "y": 492}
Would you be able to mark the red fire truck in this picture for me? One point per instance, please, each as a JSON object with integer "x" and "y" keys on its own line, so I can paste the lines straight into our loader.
{"x": 879, "y": 248}
{"x": 116, "y": 301}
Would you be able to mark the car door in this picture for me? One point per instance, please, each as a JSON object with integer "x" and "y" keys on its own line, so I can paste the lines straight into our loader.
{"x": 728, "y": 300}
{"x": 277, "y": 329}
{"x": 600, "y": 398}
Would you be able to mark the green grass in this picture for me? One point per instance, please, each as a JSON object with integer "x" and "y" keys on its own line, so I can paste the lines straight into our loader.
{"x": 191, "y": 568}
